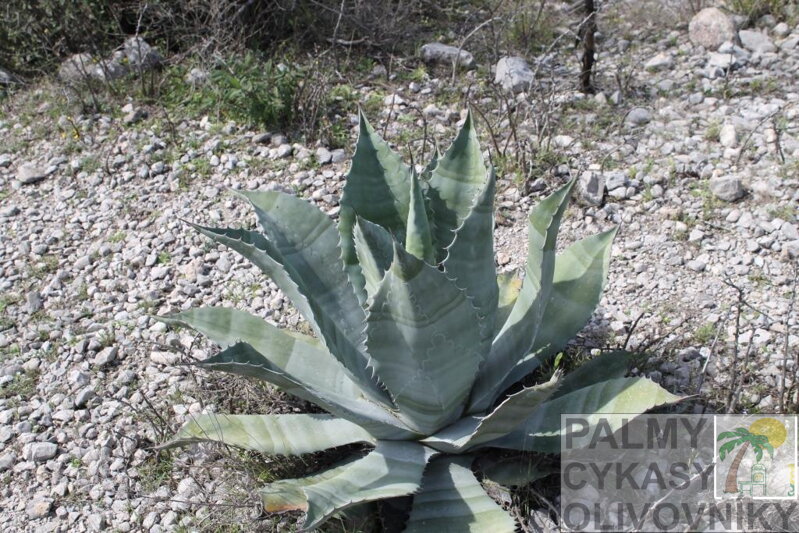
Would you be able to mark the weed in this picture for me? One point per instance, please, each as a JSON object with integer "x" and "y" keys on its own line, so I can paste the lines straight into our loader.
{"x": 713, "y": 132}
{"x": 119, "y": 236}
{"x": 164, "y": 257}
{"x": 23, "y": 385}
{"x": 705, "y": 333}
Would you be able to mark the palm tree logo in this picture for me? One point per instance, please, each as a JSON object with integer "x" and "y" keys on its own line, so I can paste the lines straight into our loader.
{"x": 763, "y": 434}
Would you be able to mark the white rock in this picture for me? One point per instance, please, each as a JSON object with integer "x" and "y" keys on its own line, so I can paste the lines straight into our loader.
{"x": 661, "y": 61}
{"x": 728, "y": 136}
{"x": 40, "y": 451}
{"x": 513, "y": 74}
{"x": 710, "y": 28}
{"x": 446, "y": 54}
{"x": 727, "y": 188}
{"x": 756, "y": 41}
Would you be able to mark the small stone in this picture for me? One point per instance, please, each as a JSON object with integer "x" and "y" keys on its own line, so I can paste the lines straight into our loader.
{"x": 728, "y": 136}
{"x": 29, "y": 174}
{"x": 197, "y": 76}
{"x": 83, "y": 397}
{"x": 710, "y": 28}
{"x": 164, "y": 358}
{"x": 262, "y": 138}
{"x": 105, "y": 357}
{"x": 338, "y": 156}
{"x": 140, "y": 54}
{"x": 41, "y": 451}
{"x": 514, "y": 74}
{"x": 756, "y": 41}
{"x": 446, "y": 54}
{"x": 638, "y": 116}
{"x": 9, "y": 211}
{"x": 7, "y": 461}
{"x": 38, "y": 508}
{"x": 727, "y": 188}
{"x": 661, "y": 61}
{"x": 134, "y": 116}
{"x": 591, "y": 188}
{"x": 393, "y": 100}
{"x": 33, "y": 301}
{"x": 284, "y": 150}
{"x": 781, "y": 30}
{"x": 96, "y": 522}
{"x": 323, "y": 155}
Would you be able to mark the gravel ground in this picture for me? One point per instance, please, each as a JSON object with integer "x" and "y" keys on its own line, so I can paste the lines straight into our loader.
{"x": 698, "y": 165}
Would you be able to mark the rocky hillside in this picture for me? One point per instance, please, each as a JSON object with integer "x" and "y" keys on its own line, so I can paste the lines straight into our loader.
{"x": 691, "y": 145}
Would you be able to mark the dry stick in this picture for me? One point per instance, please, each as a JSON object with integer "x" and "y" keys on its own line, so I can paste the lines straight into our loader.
{"x": 457, "y": 60}
{"x": 757, "y": 127}
{"x": 738, "y": 311}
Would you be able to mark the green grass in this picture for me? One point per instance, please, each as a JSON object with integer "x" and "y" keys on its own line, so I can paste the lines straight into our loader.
{"x": 164, "y": 258}
{"x": 23, "y": 385}
{"x": 705, "y": 333}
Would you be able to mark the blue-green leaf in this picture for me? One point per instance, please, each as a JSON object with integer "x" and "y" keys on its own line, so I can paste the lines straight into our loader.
{"x": 424, "y": 339}
{"x": 452, "y": 501}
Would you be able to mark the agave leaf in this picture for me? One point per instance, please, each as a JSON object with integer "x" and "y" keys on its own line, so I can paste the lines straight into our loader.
{"x": 423, "y": 336}
{"x": 339, "y": 396}
{"x": 519, "y": 331}
{"x": 393, "y": 468}
{"x": 515, "y": 471}
{"x": 287, "y": 494}
{"x": 608, "y": 365}
{"x": 509, "y": 286}
{"x": 306, "y": 243}
{"x": 580, "y": 274}
{"x": 272, "y": 434}
{"x": 378, "y": 190}
{"x": 470, "y": 259}
{"x": 457, "y": 179}
{"x": 317, "y": 308}
{"x": 375, "y": 248}
{"x": 417, "y": 237}
{"x": 615, "y": 400}
{"x": 470, "y": 432}
{"x": 452, "y": 500}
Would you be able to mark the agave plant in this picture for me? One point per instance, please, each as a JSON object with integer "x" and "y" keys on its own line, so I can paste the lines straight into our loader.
{"x": 417, "y": 338}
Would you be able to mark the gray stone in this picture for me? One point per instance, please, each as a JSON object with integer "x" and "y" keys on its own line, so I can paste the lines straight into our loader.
{"x": 696, "y": 265}
{"x": 5, "y": 78}
{"x": 29, "y": 174}
{"x": 9, "y": 211}
{"x": 140, "y": 54}
{"x": 513, "y": 74}
{"x": 134, "y": 116}
{"x": 7, "y": 461}
{"x": 728, "y": 136}
{"x": 638, "y": 116}
{"x": 284, "y": 150}
{"x": 33, "y": 301}
{"x": 38, "y": 508}
{"x": 6, "y": 434}
{"x": 96, "y": 522}
{"x": 105, "y": 357}
{"x": 781, "y": 29}
{"x": 724, "y": 61}
{"x": 661, "y": 61}
{"x": 338, "y": 156}
{"x": 615, "y": 180}
{"x": 446, "y": 54}
{"x": 197, "y": 76}
{"x": 77, "y": 68}
{"x": 323, "y": 155}
{"x": 789, "y": 231}
{"x": 41, "y": 451}
{"x": 591, "y": 188}
{"x": 727, "y": 188}
{"x": 83, "y": 397}
{"x": 710, "y": 28}
{"x": 756, "y": 41}
{"x": 262, "y": 138}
